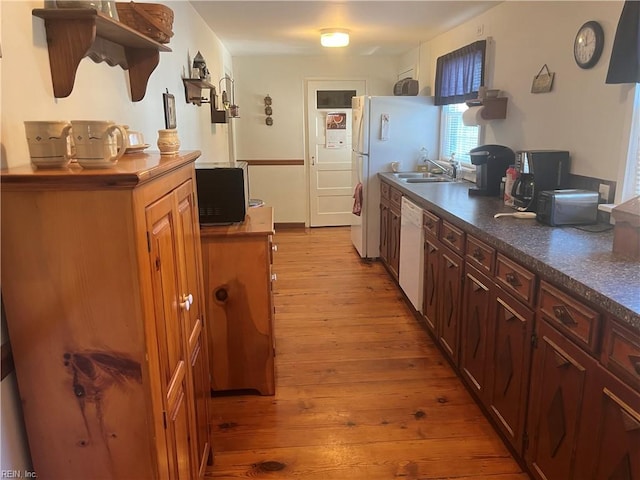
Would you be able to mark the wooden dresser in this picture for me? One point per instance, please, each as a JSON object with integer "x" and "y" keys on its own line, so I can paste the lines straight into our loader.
{"x": 238, "y": 276}
{"x": 102, "y": 284}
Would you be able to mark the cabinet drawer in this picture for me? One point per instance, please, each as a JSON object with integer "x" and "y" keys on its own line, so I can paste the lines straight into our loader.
{"x": 431, "y": 224}
{"x": 576, "y": 320}
{"x": 515, "y": 279}
{"x": 480, "y": 255}
{"x": 452, "y": 237}
{"x": 395, "y": 197}
{"x": 384, "y": 190}
{"x": 621, "y": 353}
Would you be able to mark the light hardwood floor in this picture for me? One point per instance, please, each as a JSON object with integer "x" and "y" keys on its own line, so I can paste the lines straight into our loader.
{"x": 362, "y": 392}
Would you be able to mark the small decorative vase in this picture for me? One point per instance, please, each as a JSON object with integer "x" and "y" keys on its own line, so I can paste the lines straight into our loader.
{"x": 168, "y": 141}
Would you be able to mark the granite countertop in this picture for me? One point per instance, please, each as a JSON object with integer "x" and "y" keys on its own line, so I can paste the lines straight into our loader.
{"x": 580, "y": 261}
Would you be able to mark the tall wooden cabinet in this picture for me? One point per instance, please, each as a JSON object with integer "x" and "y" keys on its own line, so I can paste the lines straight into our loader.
{"x": 102, "y": 285}
{"x": 238, "y": 280}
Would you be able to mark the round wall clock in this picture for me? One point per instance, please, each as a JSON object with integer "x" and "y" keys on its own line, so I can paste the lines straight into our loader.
{"x": 587, "y": 47}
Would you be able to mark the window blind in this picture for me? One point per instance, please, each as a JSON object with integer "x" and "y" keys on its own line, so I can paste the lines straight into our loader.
{"x": 455, "y": 136}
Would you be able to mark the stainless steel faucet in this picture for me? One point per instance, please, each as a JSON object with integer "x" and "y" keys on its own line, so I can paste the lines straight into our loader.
{"x": 447, "y": 171}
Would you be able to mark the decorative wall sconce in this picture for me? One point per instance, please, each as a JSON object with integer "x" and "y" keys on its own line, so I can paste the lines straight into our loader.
{"x": 229, "y": 104}
{"x": 268, "y": 111}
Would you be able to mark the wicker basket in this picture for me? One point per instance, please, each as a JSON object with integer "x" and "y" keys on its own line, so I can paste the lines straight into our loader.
{"x": 151, "y": 19}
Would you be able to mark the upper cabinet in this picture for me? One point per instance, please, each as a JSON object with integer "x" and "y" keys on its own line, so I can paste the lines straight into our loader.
{"x": 75, "y": 33}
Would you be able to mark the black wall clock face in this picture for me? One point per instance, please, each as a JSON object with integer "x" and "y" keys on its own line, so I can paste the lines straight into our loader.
{"x": 587, "y": 47}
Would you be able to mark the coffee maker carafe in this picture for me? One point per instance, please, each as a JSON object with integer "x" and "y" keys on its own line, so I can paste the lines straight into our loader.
{"x": 538, "y": 170}
{"x": 491, "y": 163}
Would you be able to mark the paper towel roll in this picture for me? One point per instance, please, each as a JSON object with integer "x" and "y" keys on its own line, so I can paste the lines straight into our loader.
{"x": 473, "y": 117}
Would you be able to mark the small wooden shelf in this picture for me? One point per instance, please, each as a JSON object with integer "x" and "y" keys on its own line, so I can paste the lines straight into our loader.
{"x": 494, "y": 108}
{"x": 193, "y": 90}
{"x": 75, "y": 33}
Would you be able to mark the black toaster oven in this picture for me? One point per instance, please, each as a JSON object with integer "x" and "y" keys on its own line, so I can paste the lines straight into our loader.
{"x": 223, "y": 192}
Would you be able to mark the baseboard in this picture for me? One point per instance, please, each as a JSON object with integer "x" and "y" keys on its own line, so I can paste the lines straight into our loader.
{"x": 288, "y": 225}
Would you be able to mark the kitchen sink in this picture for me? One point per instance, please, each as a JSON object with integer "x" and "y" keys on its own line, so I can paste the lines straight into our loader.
{"x": 434, "y": 179}
{"x": 416, "y": 175}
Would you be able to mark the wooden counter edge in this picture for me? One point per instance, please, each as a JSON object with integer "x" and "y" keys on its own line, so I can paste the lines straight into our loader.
{"x": 258, "y": 221}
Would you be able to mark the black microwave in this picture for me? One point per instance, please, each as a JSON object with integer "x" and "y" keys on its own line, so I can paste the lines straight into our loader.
{"x": 223, "y": 192}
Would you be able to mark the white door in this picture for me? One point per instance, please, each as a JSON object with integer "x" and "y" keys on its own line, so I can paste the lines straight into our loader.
{"x": 329, "y": 150}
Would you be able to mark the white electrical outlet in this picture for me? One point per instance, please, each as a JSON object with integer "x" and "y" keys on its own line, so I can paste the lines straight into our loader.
{"x": 603, "y": 189}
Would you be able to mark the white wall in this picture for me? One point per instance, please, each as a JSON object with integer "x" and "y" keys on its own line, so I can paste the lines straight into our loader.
{"x": 283, "y": 78}
{"x": 100, "y": 92}
{"x": 581, "y": 114}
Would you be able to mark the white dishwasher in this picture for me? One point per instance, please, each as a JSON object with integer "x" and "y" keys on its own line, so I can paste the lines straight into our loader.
{"x": 411, "y": 269}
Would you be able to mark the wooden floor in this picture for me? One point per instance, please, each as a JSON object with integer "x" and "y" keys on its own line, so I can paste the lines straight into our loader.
{"x": 362, "y": 392}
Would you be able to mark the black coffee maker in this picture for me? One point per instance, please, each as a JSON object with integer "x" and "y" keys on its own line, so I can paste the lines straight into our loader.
{"x": 538, "y": 170}
{"x": 491, "y": 163}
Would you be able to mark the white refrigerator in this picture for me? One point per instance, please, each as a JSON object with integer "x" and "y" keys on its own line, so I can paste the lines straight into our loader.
{"x": 386, "y": 129}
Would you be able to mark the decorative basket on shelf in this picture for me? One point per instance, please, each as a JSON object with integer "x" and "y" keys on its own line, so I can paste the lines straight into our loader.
{"x": 151, "y": 19}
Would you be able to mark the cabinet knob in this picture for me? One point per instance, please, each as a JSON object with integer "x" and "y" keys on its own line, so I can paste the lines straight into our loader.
{"x": 187, "y": 300}
{"x": 221, "y": 294}
{"x": 451, "y": 237}
{"x": 512, "y": 279}
{"x": 478, "y": 255}
{"x": 274, "y": 247}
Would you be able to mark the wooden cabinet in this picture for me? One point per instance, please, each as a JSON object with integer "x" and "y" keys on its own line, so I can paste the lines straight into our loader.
{"x": 394, "y": 231}
{"x": 385, "y": 234}
{"x": 561, "y": 375}
{"x": 102, "y": 284}
{"x": 431, "y": 283}
{"x": 509, "y": 366}
{"x": 73, "y": 33}
{"x": 613, "y": 446}
{"x": 584, "y": 421}
{"x": 239, "y": 301}
{"x": 496, "y": 334}
{"x": 450, "y": 280}
{"x": 390, "y": 207}
{"x": 559, "y": 380}
{"x": 443, "y": 269}
{"x": 476, "y": 328}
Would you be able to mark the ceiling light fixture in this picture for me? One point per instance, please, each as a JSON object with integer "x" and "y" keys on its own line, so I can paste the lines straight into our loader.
{"x": 333, "y": 37}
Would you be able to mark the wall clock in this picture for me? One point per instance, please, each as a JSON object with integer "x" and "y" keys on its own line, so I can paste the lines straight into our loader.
{"x": 587, "y": 47}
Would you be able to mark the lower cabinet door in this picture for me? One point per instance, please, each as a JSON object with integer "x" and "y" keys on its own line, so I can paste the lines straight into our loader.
{"x": 509, "y": 366}
{"x": 431, "y": 262}
{"x": 475, "y": 326}
{"x": 562, "y": 373}
{"x": 612, "y": 449}
{"x": 384, "y": 233}
{"x": 449, "y": 303}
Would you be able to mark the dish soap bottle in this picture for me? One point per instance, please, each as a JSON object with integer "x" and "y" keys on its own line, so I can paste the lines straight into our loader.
{"x": 423, "y": 158}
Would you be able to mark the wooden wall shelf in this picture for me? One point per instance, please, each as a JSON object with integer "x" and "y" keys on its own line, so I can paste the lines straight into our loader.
{"x": 193, "y": 91}
{"x": 193, "y": 94}
{"x": 494, "y": 108}
{"x": 75, "y": 33}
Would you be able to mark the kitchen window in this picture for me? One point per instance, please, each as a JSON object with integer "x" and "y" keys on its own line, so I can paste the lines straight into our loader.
{"x": 631, "y": 183}
{"x": 455, "y": 136}
{"x": 459, "y": 75}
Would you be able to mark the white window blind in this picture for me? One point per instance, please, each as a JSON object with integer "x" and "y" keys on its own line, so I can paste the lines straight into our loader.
{"x": 455, "y": 137}
{"x": 631, "y": 180}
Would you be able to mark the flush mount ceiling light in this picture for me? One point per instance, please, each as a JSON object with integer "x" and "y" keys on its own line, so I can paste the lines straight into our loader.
{"x": 333, "y": 37}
